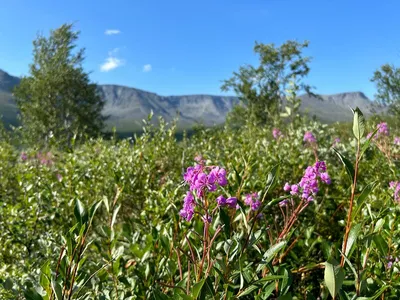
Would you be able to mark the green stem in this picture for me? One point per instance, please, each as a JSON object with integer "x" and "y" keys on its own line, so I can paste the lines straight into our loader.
{"x": 353, "y": 192}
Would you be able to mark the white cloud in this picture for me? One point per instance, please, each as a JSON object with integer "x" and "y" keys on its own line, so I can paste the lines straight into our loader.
{"x": 111, "y": 62}
{"x": 112, "y": 31}
{"x": 147, "y": 68}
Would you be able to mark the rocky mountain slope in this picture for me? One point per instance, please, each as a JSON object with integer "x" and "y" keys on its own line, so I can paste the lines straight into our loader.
{"x": 126, "y": 106}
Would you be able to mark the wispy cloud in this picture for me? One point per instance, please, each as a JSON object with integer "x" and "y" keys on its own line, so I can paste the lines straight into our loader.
{"x": 147, "y": 68}
{"x": 111, "y": 62}
{"x": 112, "y": 31}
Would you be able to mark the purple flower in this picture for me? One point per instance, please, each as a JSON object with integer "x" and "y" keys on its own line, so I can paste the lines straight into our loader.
{"x": 231, "y": 202}
{"x": 220, "y": 175}
{"x": 325, "y": 178}
{"x": 59, "y": 177}
{"x": 397, "y": 141}
{"x": 202, "y": 179}
{"x": 294, "y": 189}
{"x": 189, "y": 175}
{"x": 253, "y": 201}
{"x": 308, "y": 185}
{"x": 221, "y": 201}
{"x": 256, "y": 205}
{"x": 320, "y": 166}
{"x": 249, "y": 199}
{"x": 395, "y": 185}
{"x": 383, "y": 128}
{"x": 287, "y": 187}
{"x": 276, "y": 133}
{"x": 283, "y": 203}
{"x": 390, "y": 260}
{"x": 24, "y": 157}
{"x": 309, "y": 137}
{"x": 45, "y": 158}
{"x": 336, "y": 141}
{"x": 187, "y": 212}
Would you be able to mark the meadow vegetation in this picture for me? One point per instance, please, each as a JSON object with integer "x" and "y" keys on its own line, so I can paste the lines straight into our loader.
{"x": 269, "y": 206}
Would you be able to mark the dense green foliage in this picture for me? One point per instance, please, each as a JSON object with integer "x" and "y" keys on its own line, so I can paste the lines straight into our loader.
{"x": 387, "y": 79}
{"x": 117, "y": 203}
{"x": 57, "y": 100}
{"x": 262, "y": 87}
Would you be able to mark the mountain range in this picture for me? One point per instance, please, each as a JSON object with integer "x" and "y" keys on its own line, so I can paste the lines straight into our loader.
{"x": 126, "y": 106}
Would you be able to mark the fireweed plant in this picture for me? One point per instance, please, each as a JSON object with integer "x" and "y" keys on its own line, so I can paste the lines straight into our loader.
{"x": 206, "y": 199}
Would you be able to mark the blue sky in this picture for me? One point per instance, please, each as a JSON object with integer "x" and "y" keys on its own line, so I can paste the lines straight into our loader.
{"x": 189, "y": 47}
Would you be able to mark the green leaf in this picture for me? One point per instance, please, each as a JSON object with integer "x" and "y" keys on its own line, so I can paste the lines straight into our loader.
{"x": 284, "y": 284}
{"x": 358, "y": 123}
{"x": 277, "y": 200}
{"x": 57, "y": 290}
{"x": 8, "y": 284}
{"x": 271, "y": 180}
{"x": 114, "y": 216}
{"x": 286, "y": 297}
{"x": 268, "y": 290}
{"x": 343, "y": 295}
{"x": 226, "y": 221}
{"x": 381, "y": 244}
{"x": 248, "y": 290}
{"x": 379, "y": 292}
{"x": 80, "y": 211}
{"x": 93, "y": 209}
{"x": 270, "y": 278}
{"x": 334, "y": 277}
{"x": 353, "y": 235}
{"x": 270, "y": 254}
{"x": 347, "y": 164}
{"x": 363, "y": 196}
{"x": 379, "y": 224}
{"x": 45, "y": 274}
{"x": 31, "y": 294}
{"x": 272, "y": 251}
{"x": 197, "y": 288}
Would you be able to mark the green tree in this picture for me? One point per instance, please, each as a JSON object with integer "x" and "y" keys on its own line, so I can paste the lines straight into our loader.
{"x": 387, "y": 80}
{"x": 57, "y": 99}
{"x": 262, "y": 88}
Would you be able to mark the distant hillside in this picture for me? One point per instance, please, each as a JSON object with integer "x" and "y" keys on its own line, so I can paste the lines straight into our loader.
{"x": 126, "y": 106}
{"x": 336, "y": 108}
{"x": 8, "y": 110}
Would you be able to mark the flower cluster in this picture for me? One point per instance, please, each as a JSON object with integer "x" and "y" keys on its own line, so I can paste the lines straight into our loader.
{"x": 203, "y": 179}
{"x": 397, "y": 141}
{"x": 308, "y": 185}
{"x": 383, "y": 130}
{"x": 391, "y": 260}
{"x": 395, "y": 185}
{"x": 24, "y": 156}
{"x": 276, "y": 133}
{"x": 309, "y": 137}
{"x": 253, "y": 201}
{"x": 43, "y": 158}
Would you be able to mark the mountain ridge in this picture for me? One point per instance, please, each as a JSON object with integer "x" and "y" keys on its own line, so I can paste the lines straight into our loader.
{"x": 127, "y": 106}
